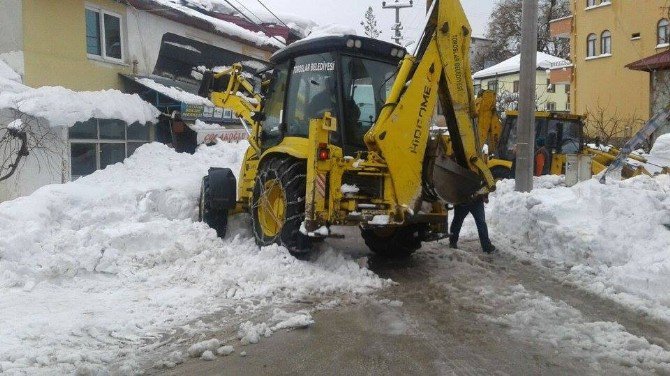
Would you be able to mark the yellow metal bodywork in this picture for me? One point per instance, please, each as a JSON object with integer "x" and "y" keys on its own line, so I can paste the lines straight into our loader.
{"x": 272, "y": 211}
{"x": 396, "y": 143}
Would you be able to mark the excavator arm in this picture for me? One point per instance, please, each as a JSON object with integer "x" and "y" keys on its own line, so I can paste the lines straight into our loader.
{"x": 440, "y": 71}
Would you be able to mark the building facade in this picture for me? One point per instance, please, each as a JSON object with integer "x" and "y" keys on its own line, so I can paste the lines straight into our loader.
{"x": 96, "y": 45}
{"x": 503, "y": 78}
{"x": 86, "y": 44}
{"x": 605, "y": 36}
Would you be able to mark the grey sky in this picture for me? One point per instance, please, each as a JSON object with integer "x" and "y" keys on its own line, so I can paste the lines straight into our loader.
{"x": 350, "y": 13}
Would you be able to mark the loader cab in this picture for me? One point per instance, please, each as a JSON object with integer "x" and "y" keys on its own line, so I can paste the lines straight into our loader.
{"x": 348, "y": 76}
{"x": 562, "y": 133}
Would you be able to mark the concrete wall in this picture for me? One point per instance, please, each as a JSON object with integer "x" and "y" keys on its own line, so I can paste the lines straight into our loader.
{"x": 506, "y": 87}
{"x": 603, "y": 81}
{"x": 660, "y": 97}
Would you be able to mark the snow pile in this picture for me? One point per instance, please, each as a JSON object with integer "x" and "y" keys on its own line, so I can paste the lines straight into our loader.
{"x": 95, "y": 272}
{"x": 614, "y": 238}
{"x": 539, "y": 317}
{"x": 175, "y": 93}
{"x": 330, "y": 30}
{"x": 10, "y": 81}
{"x": 64, "y": 107}
{"x": 661, "y": 148}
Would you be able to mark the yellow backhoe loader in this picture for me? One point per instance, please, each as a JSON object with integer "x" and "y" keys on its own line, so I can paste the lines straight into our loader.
{"x": 339, "y": 134}
{"x": 563, "y": 134}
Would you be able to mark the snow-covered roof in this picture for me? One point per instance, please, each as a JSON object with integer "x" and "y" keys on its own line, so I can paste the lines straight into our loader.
{"x": 226, "y": 28}
{"x": 64, "y": 107}
{"x": 513, "y": 65}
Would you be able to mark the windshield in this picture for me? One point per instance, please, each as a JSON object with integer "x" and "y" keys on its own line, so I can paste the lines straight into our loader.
{"x": 366, "y": 85}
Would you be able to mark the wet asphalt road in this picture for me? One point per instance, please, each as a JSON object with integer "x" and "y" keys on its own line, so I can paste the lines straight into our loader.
{"x": 441, "y": 328}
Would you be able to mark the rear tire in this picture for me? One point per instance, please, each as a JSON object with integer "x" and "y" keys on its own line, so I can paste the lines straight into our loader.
{"x": 216, "y": 219}
{"x": 394, "y": 242}
{"x": 278, "y": 204}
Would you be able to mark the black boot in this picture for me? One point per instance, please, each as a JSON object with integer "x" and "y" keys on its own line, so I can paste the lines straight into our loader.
{"x": 490, "y": 249}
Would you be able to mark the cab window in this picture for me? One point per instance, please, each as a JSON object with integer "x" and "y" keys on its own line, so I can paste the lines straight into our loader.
{"x": 312, "y": 91}
{"x": 274, "y": 107}
{"x": 366, "y": 86}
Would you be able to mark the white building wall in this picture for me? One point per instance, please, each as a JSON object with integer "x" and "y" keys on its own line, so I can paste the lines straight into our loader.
{"x": 506, "y": 87}
{"x": 11, "y": 34}
{"x": 145, "y": 32}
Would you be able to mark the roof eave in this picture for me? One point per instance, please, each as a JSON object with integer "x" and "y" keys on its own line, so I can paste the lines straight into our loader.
{"x": 182, "y": 18}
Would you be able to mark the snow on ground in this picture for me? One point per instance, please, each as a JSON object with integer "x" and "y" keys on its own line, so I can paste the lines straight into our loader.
{"x": 94, "y": 272}
{"x": 612, "y": 239}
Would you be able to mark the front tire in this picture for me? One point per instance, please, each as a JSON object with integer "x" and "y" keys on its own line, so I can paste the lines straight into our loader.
{"x": 278, "y": 204}
{"x": 216, "y": 219}
{"x": 394, "y": 242}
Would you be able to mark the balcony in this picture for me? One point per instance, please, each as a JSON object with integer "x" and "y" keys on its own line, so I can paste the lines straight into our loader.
{"x": 561, "y": 27}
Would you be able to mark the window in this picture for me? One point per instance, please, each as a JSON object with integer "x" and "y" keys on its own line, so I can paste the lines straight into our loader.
{"x": 606, "y": 43}
{"x": 98, "y": 143}
{"x": 590, "y": 3}
{"x": 550, "y": 87}
{"x": 313, "y": 92}
{"x": 591, "y": 45}
{"x": 492, "y": 85}
{"x": 478, "y": 88}
{"x": 103, "y": 34}
{"x": 515, "y": 89}
{"x": 551, "y": 106}
{"x": 662, "y": 32}
{"x": 635, "y": 36}
{"x": 366, "y": 84}
{"x": 274, "y": 107}
{"x": 567, "y": 89}
{"x": 567, "y": 106}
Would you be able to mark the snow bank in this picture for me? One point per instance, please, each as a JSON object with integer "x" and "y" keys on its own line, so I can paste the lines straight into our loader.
{"x": 614, "y": 238}
{"x": 661, "y": 148}
{"x": 95, "y": 271}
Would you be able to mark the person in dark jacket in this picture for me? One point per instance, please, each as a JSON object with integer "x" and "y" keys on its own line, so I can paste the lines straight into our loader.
{"x": 476, "y": 208}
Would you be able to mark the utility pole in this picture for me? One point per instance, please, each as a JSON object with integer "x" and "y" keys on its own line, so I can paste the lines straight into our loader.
{"x": 525, "y": 149}
{"x": 398, "y": 26}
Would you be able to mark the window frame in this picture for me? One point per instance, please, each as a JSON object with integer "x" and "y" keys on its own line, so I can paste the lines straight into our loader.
{"x": 98, "y": 141}
{"x": 591, "y": 38}
{"x": 606, "y": 41}
{"x": 103, "y": 38}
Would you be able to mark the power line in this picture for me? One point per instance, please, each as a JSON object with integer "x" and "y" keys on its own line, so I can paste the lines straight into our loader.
{"x": 272, "y": 13}
{"x": 248, "y": 10}
{"x": 252, "y": 21}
